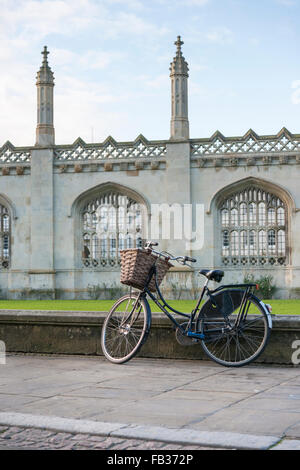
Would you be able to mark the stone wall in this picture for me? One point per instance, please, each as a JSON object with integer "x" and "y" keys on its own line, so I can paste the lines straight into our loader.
{"x": 53, "y": 332}
{"x": 46, "y": 236}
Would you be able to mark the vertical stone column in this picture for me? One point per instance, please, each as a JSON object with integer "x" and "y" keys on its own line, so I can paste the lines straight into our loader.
{"x": 179, "y": 91}
{"x": 177, "y": 175}
{"x": 177, "y": 187}
{"x": 178, "y": 179}
{"x": 177, "y": 194}
{"x": 42, "y": 275}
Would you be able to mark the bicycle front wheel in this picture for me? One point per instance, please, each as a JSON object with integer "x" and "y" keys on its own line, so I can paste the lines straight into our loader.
{"x": 126, "y": 328}
{"x": 234, "y": 345}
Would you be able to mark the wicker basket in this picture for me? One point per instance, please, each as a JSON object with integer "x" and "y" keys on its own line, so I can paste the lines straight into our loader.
{"x": 136, "y": 264}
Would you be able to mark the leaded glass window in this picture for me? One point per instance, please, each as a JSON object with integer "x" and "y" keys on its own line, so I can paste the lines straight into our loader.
{"x": 253, "y": 228}
{"x": 110, "y": 223}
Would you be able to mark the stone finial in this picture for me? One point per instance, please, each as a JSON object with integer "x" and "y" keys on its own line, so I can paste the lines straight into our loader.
{"x": 178, "y": 43}
{"x": 45, "y": 52}
{"x": 45, "y": 74}
{"x": 179, "y": 65}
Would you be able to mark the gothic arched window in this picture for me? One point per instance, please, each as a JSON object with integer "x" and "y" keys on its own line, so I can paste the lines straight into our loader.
{"x": 4, "y": 237}
{"x": 110, "y": 222}
{"x": 253, "y": 228}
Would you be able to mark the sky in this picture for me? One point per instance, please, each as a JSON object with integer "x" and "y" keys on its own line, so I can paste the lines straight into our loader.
{"x": 111, "y": 62}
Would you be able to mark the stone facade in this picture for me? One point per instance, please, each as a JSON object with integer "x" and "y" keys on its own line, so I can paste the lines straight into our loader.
{"x": 50, "y": 196}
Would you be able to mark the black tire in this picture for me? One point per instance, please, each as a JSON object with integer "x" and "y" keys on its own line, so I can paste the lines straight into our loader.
{"x": 236, "y": 346}
{"x": 125, "y": 328}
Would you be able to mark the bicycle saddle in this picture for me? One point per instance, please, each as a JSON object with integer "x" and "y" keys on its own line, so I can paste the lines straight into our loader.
{"x": 213, "y": 274}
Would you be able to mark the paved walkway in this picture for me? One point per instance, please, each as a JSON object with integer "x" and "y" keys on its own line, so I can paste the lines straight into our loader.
{"x": 87, "y": 402}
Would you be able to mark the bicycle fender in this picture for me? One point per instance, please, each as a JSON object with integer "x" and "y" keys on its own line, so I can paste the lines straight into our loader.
{"x": 149, "y": 316}
{"x": 268, "y": 313}
{"x": 263, "y": 305}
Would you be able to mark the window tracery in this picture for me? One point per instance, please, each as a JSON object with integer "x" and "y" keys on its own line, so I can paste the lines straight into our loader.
{"x": 110, "y": 222}
{"x": 253, "y": 228}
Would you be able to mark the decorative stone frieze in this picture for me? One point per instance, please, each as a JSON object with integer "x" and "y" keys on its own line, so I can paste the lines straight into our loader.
{"x": 283, "y": 142}
{"x": 110, "y": 149}
{"x": 11, "y": 154}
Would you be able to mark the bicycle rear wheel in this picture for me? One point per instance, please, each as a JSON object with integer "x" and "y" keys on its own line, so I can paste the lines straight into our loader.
{"x": 126, "y": 328}
{"x": 234, "y": 345}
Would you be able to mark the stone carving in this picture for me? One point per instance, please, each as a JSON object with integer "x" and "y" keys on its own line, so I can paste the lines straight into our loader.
{"x": 11, "y": 154}
{"x": 20, "y": 170}
{"x": 78, "y": 168}
{"x": 284, "y": 141}
{"x": 110, "y": 149}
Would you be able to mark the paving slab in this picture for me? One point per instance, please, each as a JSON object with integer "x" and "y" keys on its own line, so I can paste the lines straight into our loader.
{"x": 293, "y": 431}
{"x": 252, "y": 421}
{"x": 12, "y": 402}
{"x": 73, "y": 407}
{"x": 287, "y": 444}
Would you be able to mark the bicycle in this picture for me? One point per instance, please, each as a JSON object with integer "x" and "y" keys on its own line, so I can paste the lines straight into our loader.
{"x": 233, "y": 326}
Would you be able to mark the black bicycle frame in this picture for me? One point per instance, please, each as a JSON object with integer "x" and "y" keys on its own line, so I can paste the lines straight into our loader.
{"x": 241, "y": 315}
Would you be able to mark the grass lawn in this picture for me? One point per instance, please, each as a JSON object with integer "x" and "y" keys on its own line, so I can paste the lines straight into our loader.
{"x": 280, "y": 307}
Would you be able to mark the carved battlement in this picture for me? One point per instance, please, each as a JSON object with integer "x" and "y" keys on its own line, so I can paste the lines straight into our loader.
{"x": 250, "y": 143}
{"x": 110, "y": 149}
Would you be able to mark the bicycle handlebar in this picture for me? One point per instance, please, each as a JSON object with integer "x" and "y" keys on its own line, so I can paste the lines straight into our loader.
{"x": 149, "y": 245}
{"x": 179, "y": 259}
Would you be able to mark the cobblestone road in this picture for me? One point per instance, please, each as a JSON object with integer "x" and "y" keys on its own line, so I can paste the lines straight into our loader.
{"x": 39, "y": 439}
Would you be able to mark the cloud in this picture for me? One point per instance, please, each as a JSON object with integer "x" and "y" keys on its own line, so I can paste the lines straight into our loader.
{"x": 160, "y": 82}
{"x": 27, "y": 25}
{"x": 81, "y": 106}
{"x": 184, "y": 3}
{"x": 130, "y": 4}
{"x": 37, "y": 19}
{"x": 287, "y": 3}
{"x": 89, "y": 60}
{"x": 296, "y": 94}
{"x": 130, "y": 24}
{"x": 198, "y": 3}
{"x": 200, "y": 67}
{"x": 220, "y": 36}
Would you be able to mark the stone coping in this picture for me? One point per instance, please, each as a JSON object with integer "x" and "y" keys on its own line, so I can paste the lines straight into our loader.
{"x": 216, "y": 439}
{"x": 92, "y": 317}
